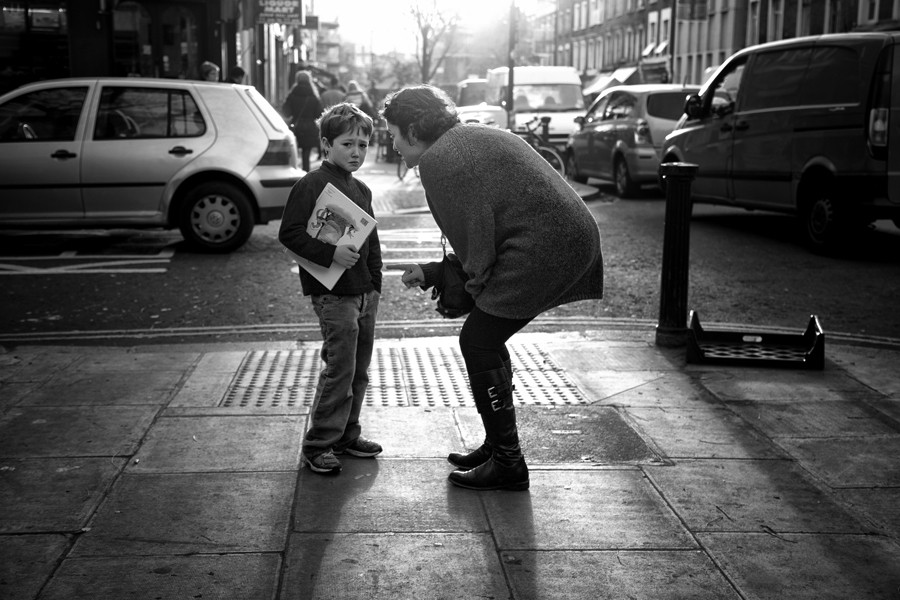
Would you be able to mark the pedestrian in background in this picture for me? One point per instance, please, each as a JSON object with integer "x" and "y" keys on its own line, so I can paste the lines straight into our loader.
{"x": 527, "y": 243}
{"x": 236, "y": 74}
{"x": 333, "y": 95}
{"x": 302, "y": 107}
{"x": 356, "y": 95}
{"x": 209, "y": 71}
{"x": 346, "y": 312}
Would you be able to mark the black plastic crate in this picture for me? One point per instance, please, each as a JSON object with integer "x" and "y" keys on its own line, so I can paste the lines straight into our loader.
{"x": 754, "y": 349}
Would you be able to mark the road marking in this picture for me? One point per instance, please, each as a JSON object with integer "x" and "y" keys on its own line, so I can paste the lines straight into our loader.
{"x": 97, "y": 264}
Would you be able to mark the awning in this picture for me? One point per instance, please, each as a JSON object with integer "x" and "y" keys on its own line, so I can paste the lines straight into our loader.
{"x": 623, "y": 74}
{"x": 662, "y": 47}
{"x": 599, "y": 84}
{"x": 648, "y": 50}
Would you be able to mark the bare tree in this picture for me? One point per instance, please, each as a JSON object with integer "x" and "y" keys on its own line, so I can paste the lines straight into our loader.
{"x": 435, "y": 31}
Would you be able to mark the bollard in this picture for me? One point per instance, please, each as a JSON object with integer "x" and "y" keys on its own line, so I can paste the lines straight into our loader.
{"x": 673, "y": 294}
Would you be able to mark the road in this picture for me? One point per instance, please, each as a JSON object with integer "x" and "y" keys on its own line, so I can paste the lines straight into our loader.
{"x": 129, "y": 286}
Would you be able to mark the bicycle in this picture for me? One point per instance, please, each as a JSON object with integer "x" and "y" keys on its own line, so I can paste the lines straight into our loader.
{"x": 542, "y": 145}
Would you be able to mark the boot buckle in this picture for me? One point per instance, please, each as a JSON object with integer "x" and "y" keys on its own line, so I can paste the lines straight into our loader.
{"x": 496, "y": 401}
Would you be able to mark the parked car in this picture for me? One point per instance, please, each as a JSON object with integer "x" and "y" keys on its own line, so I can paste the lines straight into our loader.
{"x": 801, "y": 126}
{"x": 621, "y": 135}
{"x": 212, "y": 159}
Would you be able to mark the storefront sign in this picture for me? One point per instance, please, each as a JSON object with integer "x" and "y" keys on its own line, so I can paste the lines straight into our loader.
{"x": 285, "y": 12}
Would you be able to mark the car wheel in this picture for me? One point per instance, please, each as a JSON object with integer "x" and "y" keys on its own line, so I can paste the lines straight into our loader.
{"x": 625, "y": 186}
{"x": 572, "y": 169}
{"x": 216, "y": 217}
{"x": 822, "y": 223}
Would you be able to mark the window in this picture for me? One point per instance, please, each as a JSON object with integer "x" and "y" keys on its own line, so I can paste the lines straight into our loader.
{"x": 597, "y": 110}
{"x": 725, "y": 88}
{"x": 753, "y": 23}
{"x": 44, "y": 115}
{"x": 620, "y": 106}
{"x": 128, "y": 112}
{"x": 803, "y": 18}
{"x": 830, "y": 64}
{"x": 774, "y": 79}
{"x": 776, "y": 20}
{"x": 668, "y": 105}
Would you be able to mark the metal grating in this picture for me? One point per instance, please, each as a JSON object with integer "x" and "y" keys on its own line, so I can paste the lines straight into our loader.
{"x": 420, "y": 376}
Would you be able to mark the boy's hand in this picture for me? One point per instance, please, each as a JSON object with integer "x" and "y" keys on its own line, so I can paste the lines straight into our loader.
{"x": 412, "y": 275}
{"x": 346, "y": 256}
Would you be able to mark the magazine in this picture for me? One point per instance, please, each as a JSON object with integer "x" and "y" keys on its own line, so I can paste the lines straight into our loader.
{"x": 336, "y": 220}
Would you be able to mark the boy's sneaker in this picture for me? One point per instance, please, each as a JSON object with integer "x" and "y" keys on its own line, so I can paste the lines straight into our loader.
{"x": 323, "y": 463}
{"x": 362, "y": 447}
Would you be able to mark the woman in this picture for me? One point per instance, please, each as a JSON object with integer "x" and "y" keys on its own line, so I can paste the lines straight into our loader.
{"x": 526, "y": 241}
{"x": 356, "y": 95}
{"x": 303, "y": 106}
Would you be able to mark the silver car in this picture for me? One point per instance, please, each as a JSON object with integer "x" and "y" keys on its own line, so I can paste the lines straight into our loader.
{"x": 211, "y": 159}
{"x": 621, "y": 135}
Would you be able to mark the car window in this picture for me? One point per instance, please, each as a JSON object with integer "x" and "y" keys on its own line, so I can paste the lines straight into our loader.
{"x": 551, "y": 97}
{"x": 724, "y": 90}
{"x": 832, "y": 64}
{"x": 597, "y": 110}
{"x": 134, "y": 112}
{"x": 43, "y": 115}
{"x": 620, "y": 106}
{"x": 666, "y": 105}
{"x": 774, "y": 79}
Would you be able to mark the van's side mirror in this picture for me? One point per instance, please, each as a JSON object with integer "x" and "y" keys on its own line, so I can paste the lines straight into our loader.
{"x": 693, "y": 106}
{"x": 579, "y": 121}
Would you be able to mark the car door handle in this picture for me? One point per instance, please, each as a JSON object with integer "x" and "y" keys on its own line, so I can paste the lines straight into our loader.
{"x": 63, "y": 154}
{"x": 742, "y": 126}
{"x": 180, "y": 150}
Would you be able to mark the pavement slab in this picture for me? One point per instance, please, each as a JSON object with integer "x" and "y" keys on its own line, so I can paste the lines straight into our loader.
{"x": 25, "y": 367}
{"x": 12, "y": 393}
{"x": 192, "y": 513}
{"x": 619, "y": 358}
{"x": 848, "y": 463}
{"x": 221, "y": 443}
{"x": 53, "y": 495}
{"x": 664, "y": 574}
{"x": 749, "y": 495}
{"x": 412, "y": 432}
{"x": 881, "y": 506}
{"x": 137, "y": 361}
{"x": 811, "y": 418}
{"x": 231, "y": 576}
{"x": 783, "y": 384}
{"x": 877, "y": 367}
{"x": 26, "y": 561}
{"x": 795, "y": 566}
{"x": 109, "y": 388}
{"x": 709, "y": 431}
{"x": 663, "y": 389}
{"x": 889, "y": 407}
{"x": 385, "y": 495}
{"x": 603, "y": 509}
{"x": 385, "y": 566}
{"x": 34, "y": 431}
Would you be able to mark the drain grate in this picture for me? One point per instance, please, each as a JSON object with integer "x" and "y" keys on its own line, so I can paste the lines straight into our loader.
{"x": 421, "y": 376}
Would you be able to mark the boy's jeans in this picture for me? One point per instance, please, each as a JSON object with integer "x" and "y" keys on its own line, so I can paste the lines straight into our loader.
{"x": 348, "y": 338}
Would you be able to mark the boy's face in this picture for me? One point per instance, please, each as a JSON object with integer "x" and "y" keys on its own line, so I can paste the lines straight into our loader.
{"x": 348, "y": 150}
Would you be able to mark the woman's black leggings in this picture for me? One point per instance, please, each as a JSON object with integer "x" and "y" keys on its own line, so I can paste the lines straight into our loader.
{"x": 483, "y": 338}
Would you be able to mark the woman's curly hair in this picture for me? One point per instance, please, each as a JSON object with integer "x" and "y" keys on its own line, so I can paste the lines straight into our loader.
{"x": 422, "y": 110}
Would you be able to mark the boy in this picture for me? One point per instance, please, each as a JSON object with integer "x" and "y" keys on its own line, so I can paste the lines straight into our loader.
{"x": 347, "y": 312}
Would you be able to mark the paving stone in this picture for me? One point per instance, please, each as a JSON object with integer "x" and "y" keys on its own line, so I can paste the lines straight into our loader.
{"x": 612, "y": 387}
{"x": 32, "y": 431}
{"x": 235, "y": 577}
{"x": 876, "y": 366}
{"x": 571, "y": 434}
{"x": 189, "y": 513}
{"x": 672, "y": 575}
{"x": 642, "y": 357}
{"x": 137, "y": 361}
{"x": 411, "y": 432}
{"x": 52, "y": 494}
{"x": 890, "y": 407}
{"x": 785, "y": 384}
{"x": 27, "y": 367}
{"x": 664, "y": 389}
{"x": 584, "y": 510}
{"x": 109, "y": 388}
{"x": 203, "y": 389}
{"x": 805, "y": 419}
{"x": 880, "y": 506}
{"x": 228, "y": 443}
{"x": 12, "y": 393}
{"x": 807, "y": 567}
{"x": 711, "y": 432}
{"x": 388, "y": 567}
{"x": 749, "y": 495}
{"x": 863, "y": 462}
{"x": 26, "y": 562}
{"x": 386, "y": 495}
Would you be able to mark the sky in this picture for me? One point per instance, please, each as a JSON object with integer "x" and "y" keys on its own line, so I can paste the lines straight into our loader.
{"x": 385, "y": 25}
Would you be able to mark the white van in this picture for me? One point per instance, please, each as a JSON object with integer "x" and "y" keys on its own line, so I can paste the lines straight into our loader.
{"x": 554, "y": 92}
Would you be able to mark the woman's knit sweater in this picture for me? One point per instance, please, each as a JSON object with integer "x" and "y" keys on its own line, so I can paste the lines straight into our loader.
{"x": 526, "y": 239}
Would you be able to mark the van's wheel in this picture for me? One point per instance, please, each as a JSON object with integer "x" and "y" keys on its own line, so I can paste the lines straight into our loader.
{"x": 216, "y": 217}
{"x": 572, "y": 169}
{"x": 625, "y": 185}
{"x": 822, "y": 221}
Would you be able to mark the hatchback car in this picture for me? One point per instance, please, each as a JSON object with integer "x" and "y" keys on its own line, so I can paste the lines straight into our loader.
{"x": 211, "y": 159}
{"x": 621, "y": 135}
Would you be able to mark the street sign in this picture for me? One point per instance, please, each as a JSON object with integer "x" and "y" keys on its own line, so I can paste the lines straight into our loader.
{"x": 284, "y": 12}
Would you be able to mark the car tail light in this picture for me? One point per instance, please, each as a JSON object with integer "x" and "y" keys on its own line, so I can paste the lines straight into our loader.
{"x": 880, "y": 106}
{"x": 878, "y": 126}
{"x": 279, "y": 152}
{"x": 642, "y": 133}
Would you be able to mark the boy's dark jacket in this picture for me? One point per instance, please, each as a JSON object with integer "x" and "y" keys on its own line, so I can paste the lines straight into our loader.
{"x": 365, "y": 275}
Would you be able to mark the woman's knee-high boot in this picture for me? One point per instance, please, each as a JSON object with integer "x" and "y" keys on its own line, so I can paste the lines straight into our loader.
{"x": 480, "y": 455}
{"x": 506, "y": 469}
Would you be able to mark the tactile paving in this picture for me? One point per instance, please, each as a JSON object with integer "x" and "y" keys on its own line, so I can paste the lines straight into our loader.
{"x": 419, "y": 376}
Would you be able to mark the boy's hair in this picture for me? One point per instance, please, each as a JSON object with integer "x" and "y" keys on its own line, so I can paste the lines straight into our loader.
{"x": 423, "y": 110}
{"x": 342, "y": 118}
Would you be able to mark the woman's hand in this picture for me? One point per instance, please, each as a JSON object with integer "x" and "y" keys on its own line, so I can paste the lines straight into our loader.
{"x": 346, "y": 256}
{"x": 412, "y": 275}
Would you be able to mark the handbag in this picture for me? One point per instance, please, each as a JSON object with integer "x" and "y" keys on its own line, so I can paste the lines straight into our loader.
{"x": 453, "y": 301}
